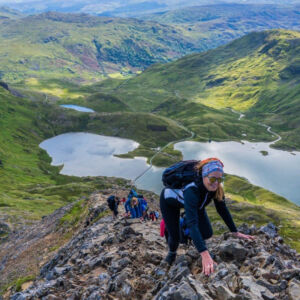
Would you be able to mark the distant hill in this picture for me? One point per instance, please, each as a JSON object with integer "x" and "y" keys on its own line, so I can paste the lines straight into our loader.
{"x": 85, "y": 48}
{"x": 124, "y": 8}
{"x": 8, "y": 13}
{"x": 258, "y": 73}
{"x": 220, "y": 23}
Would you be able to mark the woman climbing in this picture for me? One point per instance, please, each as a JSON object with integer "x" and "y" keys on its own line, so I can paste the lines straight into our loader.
{"x": 194, "y": 197}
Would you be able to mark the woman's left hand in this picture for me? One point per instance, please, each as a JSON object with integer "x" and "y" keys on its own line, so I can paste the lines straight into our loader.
{"x": 244, "y": 236}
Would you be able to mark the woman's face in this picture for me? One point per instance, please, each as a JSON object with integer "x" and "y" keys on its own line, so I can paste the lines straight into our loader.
{"x": 213, "y": 176}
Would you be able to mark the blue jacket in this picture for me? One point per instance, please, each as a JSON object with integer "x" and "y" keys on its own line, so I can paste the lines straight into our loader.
{"x": 135, "y": 211}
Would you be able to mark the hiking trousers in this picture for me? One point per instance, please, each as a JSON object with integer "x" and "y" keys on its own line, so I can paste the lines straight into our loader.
{"x": 170, "y": 209}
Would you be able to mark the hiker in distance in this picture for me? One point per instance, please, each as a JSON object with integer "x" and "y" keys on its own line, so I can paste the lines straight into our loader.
{"x": 193, "y": 194}
{"x": 113, "y": 203}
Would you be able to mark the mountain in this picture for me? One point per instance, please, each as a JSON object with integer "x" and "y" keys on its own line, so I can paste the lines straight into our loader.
{"x": 257, "y": 74}
{"x": 85, "y": 48}
{"x": 8, "y": 13}
{"x": 219, "y": 24}
{"x": 80, "y": 252}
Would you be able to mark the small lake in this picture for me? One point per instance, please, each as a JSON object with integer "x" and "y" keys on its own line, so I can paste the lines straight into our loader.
{"x": 78, "y": 108}
{"x": 85, "y": 154}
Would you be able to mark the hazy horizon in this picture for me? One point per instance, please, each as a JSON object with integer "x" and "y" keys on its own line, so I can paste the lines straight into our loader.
{"x": 120, "y": 7}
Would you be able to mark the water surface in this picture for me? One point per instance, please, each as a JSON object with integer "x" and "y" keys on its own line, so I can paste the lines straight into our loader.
{"x": 278, "y": 171}
{"x": 78, "y": 108}
{"x": 85, "y": 154}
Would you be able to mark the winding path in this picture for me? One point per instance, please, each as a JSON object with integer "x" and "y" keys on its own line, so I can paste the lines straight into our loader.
{"x": 261, "y": 124}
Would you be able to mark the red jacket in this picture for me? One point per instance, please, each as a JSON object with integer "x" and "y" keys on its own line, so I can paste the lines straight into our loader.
{"x": 162, "y": 227}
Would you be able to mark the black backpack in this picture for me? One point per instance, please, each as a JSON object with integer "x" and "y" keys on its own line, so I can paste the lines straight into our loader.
{"x": 180, "y": 174}
{"x": 111, "y": 200}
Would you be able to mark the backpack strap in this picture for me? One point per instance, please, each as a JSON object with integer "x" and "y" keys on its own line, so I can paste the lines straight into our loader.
{"x": 192, "y": 184}
{"x": 178, "y": 193}
{"x": 174, "y": 193}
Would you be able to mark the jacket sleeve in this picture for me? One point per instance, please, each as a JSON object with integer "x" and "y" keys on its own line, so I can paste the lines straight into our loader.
{"x": 224, "y": 212}
{"x": 191, "y": 212}
{"x": 127, "y": 205}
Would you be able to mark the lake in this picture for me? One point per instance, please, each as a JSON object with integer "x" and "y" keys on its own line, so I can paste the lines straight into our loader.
{"x": 85, "y": 154}
{"x": 78, "y": 108}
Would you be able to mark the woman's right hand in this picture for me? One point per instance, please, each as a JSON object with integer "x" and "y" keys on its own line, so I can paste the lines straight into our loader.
{"x": 207, "y": 263}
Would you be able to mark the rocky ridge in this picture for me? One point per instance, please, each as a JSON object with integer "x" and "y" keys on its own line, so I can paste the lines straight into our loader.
{"x": 124, "y": 260}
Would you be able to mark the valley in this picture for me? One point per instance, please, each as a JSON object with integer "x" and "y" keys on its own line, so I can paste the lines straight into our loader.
{"x": 153, "y": 81}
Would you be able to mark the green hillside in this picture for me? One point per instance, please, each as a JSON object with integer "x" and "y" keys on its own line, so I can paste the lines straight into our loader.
{"x": 217, "y": 24}
{"x": 86, "y": 48}
{"x": 31, "y": 188}
{"x": 258, "y": 73}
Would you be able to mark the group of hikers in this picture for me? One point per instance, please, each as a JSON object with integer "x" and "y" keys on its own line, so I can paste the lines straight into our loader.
{"x": 189, "y": 185}
{"x": 135, "y": 206}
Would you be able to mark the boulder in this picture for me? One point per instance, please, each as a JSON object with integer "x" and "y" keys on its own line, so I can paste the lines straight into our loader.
{"x": 231, "y": 250}
{"x": 270, "y": 230}
{"x": 257, "y": 291}
{"x": 182, "y": 291}
{"x": 222, "y": 291}
{"x": 294, "y": 289}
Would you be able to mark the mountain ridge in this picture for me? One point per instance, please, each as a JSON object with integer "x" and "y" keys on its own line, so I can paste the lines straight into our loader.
{"x": 105, "y": 258}
{"x": 252, "y": 74}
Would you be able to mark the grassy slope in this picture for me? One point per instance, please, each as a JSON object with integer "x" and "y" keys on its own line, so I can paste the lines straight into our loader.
{"x": 216, "y": 25}
{"x": 85, "y": 48}
{"x": 259, "y": 206}
{"x": 29, "y": 186}
{"x": 88, "y": 48}
{"x": 211, "y": 124}
{"x": 245, "y": 74}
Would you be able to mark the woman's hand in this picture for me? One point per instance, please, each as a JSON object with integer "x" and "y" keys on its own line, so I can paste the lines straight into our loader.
{"x": 244, "y": 236}
{"x": 207, "y": 263}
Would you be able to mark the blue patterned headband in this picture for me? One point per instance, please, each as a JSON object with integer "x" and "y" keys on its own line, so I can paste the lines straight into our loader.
{"x": 212, "y": 166}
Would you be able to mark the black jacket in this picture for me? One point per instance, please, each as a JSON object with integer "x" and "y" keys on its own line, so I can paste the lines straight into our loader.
{"x": 196, "y": 197}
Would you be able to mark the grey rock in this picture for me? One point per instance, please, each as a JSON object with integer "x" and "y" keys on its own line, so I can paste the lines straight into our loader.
{"x": 160, "y": 272}
{"x": 290, "y": 274}
{"x": 270, "y": 230}
{"x": 199, "y": 288}
{"x": 18, "y": 296}
{"x": 93, "y": 263}
{"x": 222, "y": 273}
{"x": 231, "y": 250}
{"x": 255, "y": 289}
{"x": 103, "y": 276}
{"x": 183, "y": 291}
{"x": 182, "y": 272}
{"x": 119, "y": 265}
{"x": 244, "y": 295}
{"x": 272, "y": 287}
{"x": 244, "y": 228}
{"x": 294, "y": 289}
{"x": 94, "y": 296}
{"x": 222, "y": 291}
{"x": 232, "y": 282}
{"x": 127, "y": 232}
